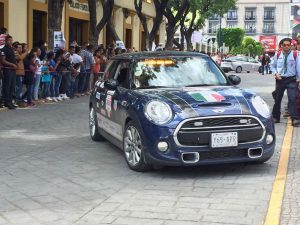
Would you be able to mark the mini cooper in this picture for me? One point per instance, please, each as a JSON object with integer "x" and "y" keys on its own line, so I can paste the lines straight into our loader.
{"x": 177, "y": 109}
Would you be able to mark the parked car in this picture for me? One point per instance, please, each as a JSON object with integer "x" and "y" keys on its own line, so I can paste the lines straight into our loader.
{"x": 178, "y": 108}
{"x": 241, "y": 63}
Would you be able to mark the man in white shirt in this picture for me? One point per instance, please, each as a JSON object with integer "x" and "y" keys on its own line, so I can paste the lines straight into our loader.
{"x": 77, "y": 63}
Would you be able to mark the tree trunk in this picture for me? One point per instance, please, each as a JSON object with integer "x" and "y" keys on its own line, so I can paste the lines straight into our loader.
{"x": 112, "y": 29}
{"x": 171, "y": 30}
{"x": 188, "y": 38}
{"x": 55, "y": 9}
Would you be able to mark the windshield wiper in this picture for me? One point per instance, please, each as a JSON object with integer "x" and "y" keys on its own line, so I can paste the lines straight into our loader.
{"x": 152, "y": 87}
{"x": 200, "y": 85}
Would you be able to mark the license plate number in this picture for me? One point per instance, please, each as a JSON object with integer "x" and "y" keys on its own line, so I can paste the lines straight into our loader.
{"x": 221, "y": 140}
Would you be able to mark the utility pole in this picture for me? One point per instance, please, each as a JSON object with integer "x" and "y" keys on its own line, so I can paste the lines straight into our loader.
{"x": 220, "y": 32}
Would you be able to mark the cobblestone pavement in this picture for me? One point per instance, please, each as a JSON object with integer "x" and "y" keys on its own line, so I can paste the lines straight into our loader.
{"x": 291, "y": 205}
{"x": 51, "y": 173}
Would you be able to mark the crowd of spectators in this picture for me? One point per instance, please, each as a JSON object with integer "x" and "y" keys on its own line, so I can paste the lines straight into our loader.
{"x": 29, "y": 77}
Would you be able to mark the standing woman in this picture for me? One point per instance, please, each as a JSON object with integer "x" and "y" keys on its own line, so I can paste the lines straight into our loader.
{"x": 30, "y": 68}
{"x": 97, "y": 66}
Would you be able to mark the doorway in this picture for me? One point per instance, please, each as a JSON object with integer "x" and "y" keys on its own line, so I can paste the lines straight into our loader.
{"x": 78, "y": 31}
{"x": 39, "y": 34}
{"x": 1, "y": 14}
{"x": 128, "y": 38}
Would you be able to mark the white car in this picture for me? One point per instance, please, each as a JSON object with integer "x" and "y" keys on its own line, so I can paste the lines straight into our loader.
{"x": 241, "y": 63}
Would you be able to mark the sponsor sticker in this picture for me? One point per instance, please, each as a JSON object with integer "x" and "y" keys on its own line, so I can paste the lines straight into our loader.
{"x": 109, "y": 126}
{"x": 97, "y": 95}
{"x": 101, "y": 85}
{"x": 97, "y": 104}
{"x": 103, "y": 112}
{"x": 102, "y": 103}
{"x": 110, "y": 92}
{"x": 108, "y": 105}
{"x": 115, "y": 104}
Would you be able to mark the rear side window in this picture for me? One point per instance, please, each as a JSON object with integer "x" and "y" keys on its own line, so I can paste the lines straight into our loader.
{"x": 111, "y": 69}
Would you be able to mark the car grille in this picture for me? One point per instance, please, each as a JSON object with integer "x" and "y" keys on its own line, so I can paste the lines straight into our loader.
{"x": 223, "y": 154}
{"x": 197, "y": 132}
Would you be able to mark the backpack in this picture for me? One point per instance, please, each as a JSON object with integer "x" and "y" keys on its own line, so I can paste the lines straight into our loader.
{"x": 294, "y": 53}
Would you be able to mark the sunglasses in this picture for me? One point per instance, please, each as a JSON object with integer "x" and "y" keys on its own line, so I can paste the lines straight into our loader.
{"x": 286, "y": 45}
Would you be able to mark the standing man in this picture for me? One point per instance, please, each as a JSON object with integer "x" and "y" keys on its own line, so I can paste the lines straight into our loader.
{"x": 285, "y": 66}
{"x": 88, "y": 65}
{"x": 20, "y": 55}
{"x": 9, "y": 63}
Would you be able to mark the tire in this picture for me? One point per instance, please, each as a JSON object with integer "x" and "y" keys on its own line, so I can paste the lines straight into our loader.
{"x": 133, "y": 148}
{"x": 93, "y": 125}
{"x": 238, "y": 69}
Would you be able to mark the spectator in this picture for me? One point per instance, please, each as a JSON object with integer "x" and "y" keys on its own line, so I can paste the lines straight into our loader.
{"x": 20, "y": 73}
{"x": 54, "y": 63}
{"x": 3, "y": 34}
{"x": 64, "y": 68}
{"x": 46, "y": 80}
{"x": 30, "y": 69}
{"x": 38, "y": 73}
{"x": 77, "y": 63}
{"x": 96, "y": 71}
{"x": 9, "y": 63}
{"x": 88, "y": 65}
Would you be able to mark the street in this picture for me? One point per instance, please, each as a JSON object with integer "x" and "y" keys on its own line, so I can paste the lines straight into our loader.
{"x": 51, "y": 172}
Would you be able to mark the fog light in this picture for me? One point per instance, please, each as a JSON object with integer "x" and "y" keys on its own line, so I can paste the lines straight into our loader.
{"x": 162, "y": 146}
{"x": 269, "y": 139}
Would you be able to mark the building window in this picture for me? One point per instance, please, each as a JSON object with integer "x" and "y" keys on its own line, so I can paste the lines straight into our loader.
{"x": 232, "y": 14}
{"x": 231, "y": 24}
{"x": 250, "y": 27}
{"x": 269, "y": 13}
{"x": 250, "y": 14}
{"x": 214, "y": 17}
{"x": 212, "y": 27}
{"x": 269, "y": 27}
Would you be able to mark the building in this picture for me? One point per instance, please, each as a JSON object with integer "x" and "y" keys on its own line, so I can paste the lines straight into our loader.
{"x": 267, "y": 21}
{"x": 27, "y": 21}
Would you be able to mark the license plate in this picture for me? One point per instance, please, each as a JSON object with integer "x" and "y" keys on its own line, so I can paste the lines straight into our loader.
{"x": 221, "y": 140}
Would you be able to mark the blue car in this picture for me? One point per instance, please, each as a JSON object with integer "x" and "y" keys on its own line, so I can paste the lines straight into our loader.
{"x": 178, "y": 109}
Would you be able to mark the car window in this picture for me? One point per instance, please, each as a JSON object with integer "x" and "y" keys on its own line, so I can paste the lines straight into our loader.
{"x": 252, "y": 60}
{"x": 121, "y": 74}
{"x": 177, "y": 72}
{"x": 110, "y": 70}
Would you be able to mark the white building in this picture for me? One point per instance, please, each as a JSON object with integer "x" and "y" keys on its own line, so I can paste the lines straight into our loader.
{"x": 267, "y": 19}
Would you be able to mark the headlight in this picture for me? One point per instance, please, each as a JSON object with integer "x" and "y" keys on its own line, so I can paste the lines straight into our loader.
{"x": 261, "y": 106}
{"x": 158, "y": 112}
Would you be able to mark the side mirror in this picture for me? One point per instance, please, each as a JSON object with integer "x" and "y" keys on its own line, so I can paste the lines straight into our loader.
{"x": 111, "y": 84}
{"x": 234, "y": 79}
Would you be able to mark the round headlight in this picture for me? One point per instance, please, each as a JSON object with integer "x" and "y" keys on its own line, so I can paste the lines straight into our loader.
{"x": 158, "y": 112}
{"x": 261, "y": 106}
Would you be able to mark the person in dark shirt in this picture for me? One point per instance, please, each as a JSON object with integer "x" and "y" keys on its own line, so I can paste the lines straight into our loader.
{"x": 9, "y": 63}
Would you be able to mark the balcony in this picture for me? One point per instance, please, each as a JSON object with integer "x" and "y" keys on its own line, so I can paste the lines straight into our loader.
{"x": 250, "y": 31}
{"x": 269, "y": 18}
{"x": 269, "y": 31}
{"x": 232, "y": 18}
{"x": 214, "y": 18}
{"x": 250, "y": 18}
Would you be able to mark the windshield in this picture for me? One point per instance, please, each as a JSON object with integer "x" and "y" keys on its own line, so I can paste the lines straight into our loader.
{"x": 177, "y": 72}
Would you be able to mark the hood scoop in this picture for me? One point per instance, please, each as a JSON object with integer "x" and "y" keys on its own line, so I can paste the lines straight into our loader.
{"x": 211, "y": 104}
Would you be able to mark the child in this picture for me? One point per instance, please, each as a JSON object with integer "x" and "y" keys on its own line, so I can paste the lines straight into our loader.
{"x": 46, "y": 80}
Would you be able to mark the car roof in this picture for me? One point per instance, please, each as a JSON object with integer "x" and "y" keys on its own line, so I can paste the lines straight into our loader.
{"x": 156, "y": 54}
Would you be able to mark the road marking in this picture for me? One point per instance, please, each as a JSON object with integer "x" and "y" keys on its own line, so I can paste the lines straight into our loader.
{"x": 274, "y": 210}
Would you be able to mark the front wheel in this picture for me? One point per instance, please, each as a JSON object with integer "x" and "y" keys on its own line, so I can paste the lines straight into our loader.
{"x": 94, "y": 131}
{"x": 238, "y": 69}
{"x": 134, "y": 149}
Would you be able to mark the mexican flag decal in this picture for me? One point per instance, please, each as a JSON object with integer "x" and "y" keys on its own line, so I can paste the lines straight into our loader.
{"x": 207, "y": 96}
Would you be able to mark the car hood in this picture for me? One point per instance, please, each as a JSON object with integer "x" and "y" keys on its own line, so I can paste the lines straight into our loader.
{"x": 189, "y": 102}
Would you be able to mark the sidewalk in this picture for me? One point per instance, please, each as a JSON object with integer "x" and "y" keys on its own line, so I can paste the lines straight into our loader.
{"x": 290, "y": 214}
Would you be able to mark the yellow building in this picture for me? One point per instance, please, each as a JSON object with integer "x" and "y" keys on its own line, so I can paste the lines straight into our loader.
{"x": 27, "y": 21}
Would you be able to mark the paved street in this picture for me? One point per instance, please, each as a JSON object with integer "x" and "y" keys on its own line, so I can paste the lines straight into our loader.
{"x": 51, "y": 173}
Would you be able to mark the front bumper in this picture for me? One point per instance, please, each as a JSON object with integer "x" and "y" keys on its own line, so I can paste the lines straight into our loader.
{"x": 207, "y": 155}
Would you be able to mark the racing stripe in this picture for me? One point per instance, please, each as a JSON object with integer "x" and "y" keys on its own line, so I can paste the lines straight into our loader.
{"x": 245, "y": 108}
{"x": 181, "y": 103}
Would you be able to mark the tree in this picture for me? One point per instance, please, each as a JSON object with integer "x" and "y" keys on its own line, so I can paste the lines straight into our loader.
{"x": 232, "y": 37}
{"x": 198, "y": 11}
{"x": 248, "y": 47}
{"x": 160, "y": 6}
{"x": 55, "y": 9}
{"x": 173, "y": 13}
{"x": 95, "y": 28}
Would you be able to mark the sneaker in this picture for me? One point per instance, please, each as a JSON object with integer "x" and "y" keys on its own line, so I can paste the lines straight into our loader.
{"x": 65, "y": 97}
{"x": 59, "y": 98}
{"x": 55, "y": 99}
{"x": 25, "y": 100}
{"x": 49, "y": 99}
{"x": 286, "y": 114}
{"x": 30, "y": 104}
{"x": 296, "y": 123}
{"x": 10, "y": 106}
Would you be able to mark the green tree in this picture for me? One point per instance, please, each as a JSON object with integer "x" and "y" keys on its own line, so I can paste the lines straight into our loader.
{"x": 198, "y": 11}
{"x": 248, "y": 47}
{"x": 232, "y": 37}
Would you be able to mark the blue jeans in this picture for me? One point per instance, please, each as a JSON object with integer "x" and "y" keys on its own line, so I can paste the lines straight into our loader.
{"x": 46, "y": 89}
{"x": 56, "y": 84}
{"x": 81, "y": 82}
{"x": 87, "y": 81}
{"x": 37, "y": 82}
{"x": 291, "y": 86}
{"x": 19, "y": 87}
{"x": 28, "y": 93}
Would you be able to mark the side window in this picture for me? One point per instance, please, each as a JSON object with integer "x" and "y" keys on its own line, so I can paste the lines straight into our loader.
{"x": 122, "y": 74}
{"x": 252, "y": 60}
{"x": 110, "y": 69}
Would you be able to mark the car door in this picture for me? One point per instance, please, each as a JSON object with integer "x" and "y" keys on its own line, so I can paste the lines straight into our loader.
{"x": 116, "y": 101}
{"x": 254, "y": 64}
